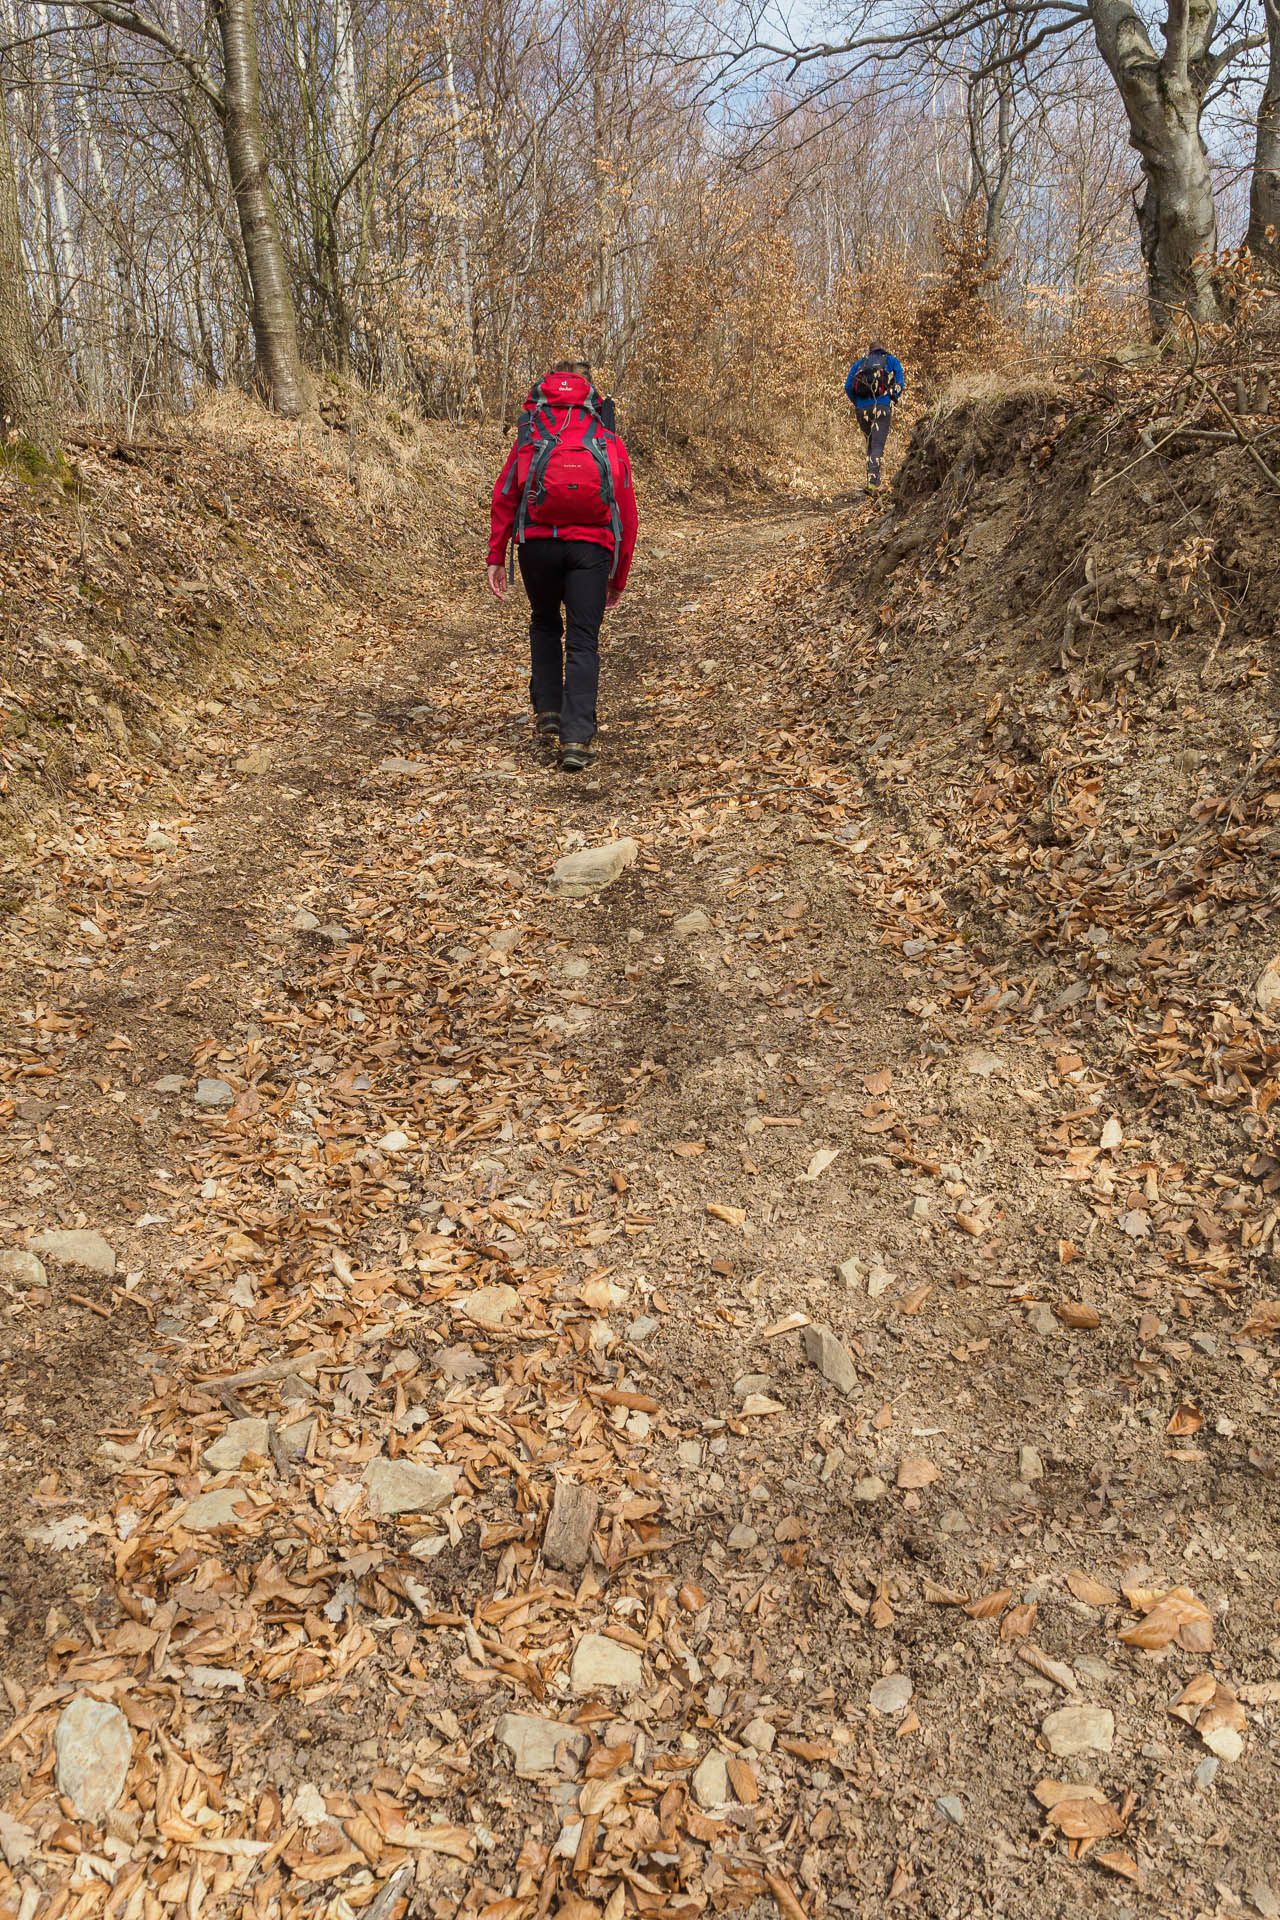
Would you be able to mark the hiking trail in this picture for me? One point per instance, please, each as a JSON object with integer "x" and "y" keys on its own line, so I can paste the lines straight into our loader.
{"x": 443, "y": 1208}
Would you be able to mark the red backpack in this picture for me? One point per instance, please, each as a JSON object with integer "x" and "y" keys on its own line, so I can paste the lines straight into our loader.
{"x": 562, "y": 461}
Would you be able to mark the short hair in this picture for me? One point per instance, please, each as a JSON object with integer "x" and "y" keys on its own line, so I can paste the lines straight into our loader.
{"x": 877, "y": 346}
{"x": 573, "y": 366}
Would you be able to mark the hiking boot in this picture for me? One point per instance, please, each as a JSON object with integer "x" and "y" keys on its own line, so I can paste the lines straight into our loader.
{"x": 546, "y": 728}
{"x": 577, "y": 754}
{"x": 872, "y": 486}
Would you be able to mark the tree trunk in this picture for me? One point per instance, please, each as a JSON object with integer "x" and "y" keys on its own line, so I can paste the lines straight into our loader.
{"x": 1264, "y": 193}
{"x": 1163, "y": 97}
{"x": 24, "y": 395}
{"x": 275, "y": 328}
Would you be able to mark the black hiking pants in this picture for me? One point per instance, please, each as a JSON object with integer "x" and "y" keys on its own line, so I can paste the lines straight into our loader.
{"x": 875, "y": 423}
{"x": 573, "y": 575}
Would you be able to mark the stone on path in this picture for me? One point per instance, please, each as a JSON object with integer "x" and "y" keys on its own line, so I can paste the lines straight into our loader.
{"x": 953, "y": 1808}
{"x": 710, "y": 1781}
{"x": 870, "y": 1487}
{"x": 17, "y": 1264}
{"x": 742, "y": 1539}
{"x": 396, "y": 764}
{"x": 158, "y": 841}
{"x": 304, "y": 921}
{"x": 1267, "y": 990}
{"x": 405, "y": 1486}
{"x": 759, "y": 1735}
{"x": 694, "y": 922}
{"x": 169, "y": 1083}
{"x": 567, "y": 1540}
{"x": 76, "y": 1248}
{"x": 534, "y": 1742}
{"x": 891, "y": 1694}
{"x": 601, "y": 1662}
{"x": 213, "y": 1093}
{"x": 489, "y": 1306}
{"x": 231, "y": 1446}
{"x": 94, "y": 1749}
{"x": 1073, "y": 1730}
{"x": 1030, "y": 1465}
{"x": 1042, "y": 1320}
{"x": 210, "y": 1510}
{"x": 830, "y": 1357}
{"x": 584, "y": 872}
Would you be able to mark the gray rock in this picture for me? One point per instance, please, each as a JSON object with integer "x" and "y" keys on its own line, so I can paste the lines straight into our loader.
{"x": 979, "y": 1061}
{"x": 405, "y": 1486}
{"x": 850, "y": 1273}
{"x": 599, "y": 1662}
{"x": 394, "y": 764}
{"x": 742, "y": 1539}
{"x": 158, "y": 841}
{"x": 689, "y": 1453}
{"x": 640, "y": 1329}
{"x": 891, "y": 1694}
{"x": 751, "y": 1383}
{"x": 1265, "y": 1899}
{"x": 710, "y": 1782}
{"x": 953, "y": 1807}
{"x": 830, "y": 1357}
{"x": 506, "y": 939}
{"x": 76, "y": 1248}
{"x": 257, "y": 760}
{"x": 305, "y": 921}
{"x": 574, "y": 1511}
{"x": 1207, "y": 1771}
{"x": 169, "y": 1083}
{"x": 214, "y": 1093}
{"x": 533, "y": 1742}
{"x": 94, "y": 1749}
{"x": 17, "y": 1264}
{"x": 231, "y": 1446}
{"x": 210, "y": 1510}
{"x": 693, "y": 923}
{"x": 1030, "y": 1465}
{"x": 578, "y": 874}
{"x": 336, "y": 934}
{"x": 759, "y": 1736}
{"x": 1042, "y": 1320}
{"x": 1073, "y": 1730}
{"x": 870, "y": 1487}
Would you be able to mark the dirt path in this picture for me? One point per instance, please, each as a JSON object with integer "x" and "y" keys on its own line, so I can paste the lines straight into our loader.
{"x": 513, "y": 1190}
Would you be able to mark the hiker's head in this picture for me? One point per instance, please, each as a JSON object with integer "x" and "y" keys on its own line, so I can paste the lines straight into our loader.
{"x": 877, "y": 346}
{"x": 580, "y": 367}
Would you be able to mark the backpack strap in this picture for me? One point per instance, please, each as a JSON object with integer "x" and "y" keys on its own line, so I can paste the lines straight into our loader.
{"x": 596, "y": 441}
{"x": 535, "y": 486}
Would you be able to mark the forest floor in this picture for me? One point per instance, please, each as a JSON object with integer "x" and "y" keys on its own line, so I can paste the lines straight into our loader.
{"x": 747, "y": 1208}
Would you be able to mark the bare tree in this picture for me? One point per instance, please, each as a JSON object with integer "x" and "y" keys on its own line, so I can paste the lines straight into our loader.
{"x": 24, "y": 393}
{"x": 1264, "y": 193}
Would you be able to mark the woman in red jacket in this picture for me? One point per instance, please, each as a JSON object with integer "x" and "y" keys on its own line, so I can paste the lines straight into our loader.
{"x": 566, "y": 502}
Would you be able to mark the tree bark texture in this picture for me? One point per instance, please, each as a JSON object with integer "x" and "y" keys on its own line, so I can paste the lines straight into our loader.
{"x": 24, "y": 394}
{"x": 1264, "y": 192}
{"x": 275, "y": 328}
{"x": 1163, "y": 97}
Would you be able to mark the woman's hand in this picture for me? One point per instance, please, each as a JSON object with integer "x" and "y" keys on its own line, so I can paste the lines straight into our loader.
{"x": 498, "y": 582}
{"x": 612, "y": 598}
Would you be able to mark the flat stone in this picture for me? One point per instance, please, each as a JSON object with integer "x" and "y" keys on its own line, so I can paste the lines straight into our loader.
{"x": 870, "y": 1487}
{"x": 94, "y": 1749}
{"x": 169, "y": 1083}
{"x": 742, "y": 1539}
{"x": 1073, "y": 1730}
{"x": 17, "y": 1264}
{"x": 309, "y": 1805}
{"x": 591, "y": 868}
{"x": 640, "y": 1329}
{"x": 405, "y": 1486}
{"x": 850, "y": 1273}
{"x": 506, "y": 939}
{"x": 689, "y": 1453}
{"x": 759, "y": 1736}
{"x": 158, "y": 841}
{"x": 575, "y": 1509}
{"x": 336, "y": 934}
{"x": 751, "y": 1383}
{"x": 1042, "y": 1320}
{"x": 76, "y": 1248}
{"x": 210, "y": 1510}
{"x": 231, "y": 1446}
{"x": 979, "y": 1061}
{"x": 214, "y": 1093}
{"x": 489, "y": 1306}
{"x": 394, "y": 764}
{"x": 693, "y": 923}
{"x": 710, "y": 1782}
{"x": 1265, "y": 1899}
{"x": 1030, "y": 1465}
{"x": 219, "y": 1679}
{"x": 891, "y": 1694}
{"x": 257, "y": 760}
{"x": 599, "y": 1662}
{"x": 533, "y": 1743}
{"x": 953, "y": 1807}
{"x": 304, "y": 921}
{"x": 831, "y": 1358}
{"x": 394, "y": 1142}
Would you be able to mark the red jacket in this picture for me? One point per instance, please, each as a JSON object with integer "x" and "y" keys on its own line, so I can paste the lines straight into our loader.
{"x": 560, "y": 393}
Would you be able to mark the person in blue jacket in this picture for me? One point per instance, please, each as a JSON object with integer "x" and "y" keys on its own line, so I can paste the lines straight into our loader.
{"x": 875, "y": 385}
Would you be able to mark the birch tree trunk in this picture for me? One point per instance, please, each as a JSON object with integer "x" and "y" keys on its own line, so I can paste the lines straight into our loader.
{"x": 24, "y": 394}
{"x": 1264, "y": 193}
{"x": 472, "y": 401}
{"x": 275, "y": 328}
{"x": 1163, "y": 98}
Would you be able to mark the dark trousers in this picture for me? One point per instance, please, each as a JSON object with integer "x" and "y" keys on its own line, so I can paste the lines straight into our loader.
{"x": 875, "y": 423}
{"x": 573, "y": 574}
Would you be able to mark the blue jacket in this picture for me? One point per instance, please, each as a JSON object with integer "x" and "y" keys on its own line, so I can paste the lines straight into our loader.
{"x": 897, "y": 382}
